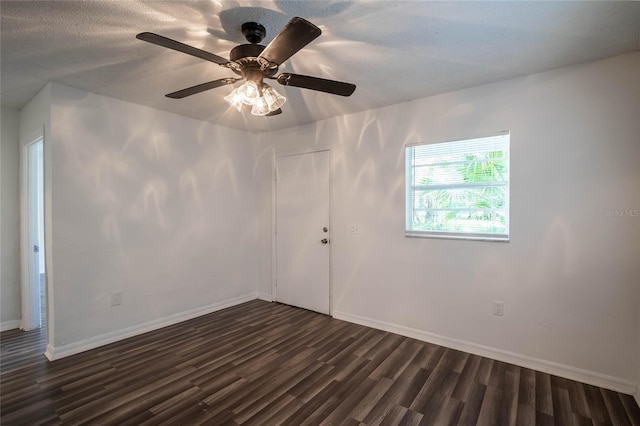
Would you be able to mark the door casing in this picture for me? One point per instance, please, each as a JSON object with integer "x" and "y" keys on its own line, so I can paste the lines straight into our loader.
{"x": 30, "y": 274}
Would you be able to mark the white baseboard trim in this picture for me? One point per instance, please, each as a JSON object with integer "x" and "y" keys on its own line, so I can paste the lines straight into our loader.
{"x": 58, "y": 352}
{"x": 10, "y": 325}
{"x": 49, "y": 352}
{"x": 597, "y": 379}
{"x": 265, "y": 296}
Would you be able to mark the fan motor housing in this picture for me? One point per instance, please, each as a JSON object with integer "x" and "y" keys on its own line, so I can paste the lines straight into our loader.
{"x": 246, "y": 51}
{"x": 246, "y": 56}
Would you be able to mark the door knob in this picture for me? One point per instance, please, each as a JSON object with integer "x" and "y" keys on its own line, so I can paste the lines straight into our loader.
{"x": 325, "y": 229}
{"x": 324, "y": 241}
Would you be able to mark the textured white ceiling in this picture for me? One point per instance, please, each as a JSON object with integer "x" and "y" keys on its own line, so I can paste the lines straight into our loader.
{"x": 393, "y": 51}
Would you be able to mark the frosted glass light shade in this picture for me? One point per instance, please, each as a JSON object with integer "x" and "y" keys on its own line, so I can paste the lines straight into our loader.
{"x": 274, "y": 99}
{"x": 250, "y": 92}
{"x": 235, "y": 99}
{"x": 260, "y": 107}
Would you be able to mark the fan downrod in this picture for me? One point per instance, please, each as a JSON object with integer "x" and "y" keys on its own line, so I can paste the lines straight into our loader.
{"x": 253, "y": 32}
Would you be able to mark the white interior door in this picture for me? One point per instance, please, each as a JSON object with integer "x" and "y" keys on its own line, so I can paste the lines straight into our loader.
{"x": 302, "y": 230}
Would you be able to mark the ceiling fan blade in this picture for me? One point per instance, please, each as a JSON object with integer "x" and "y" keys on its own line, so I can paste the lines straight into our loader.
{"x": 201, "y": 88}
{"x": 272, "y": 113}
{"x": 181, "y": 47}
{"x": 293, "y": 37}
{"x": 315, "y": 83}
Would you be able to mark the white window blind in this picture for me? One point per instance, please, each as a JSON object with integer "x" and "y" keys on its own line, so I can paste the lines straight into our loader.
{"x": 458, "y": 189}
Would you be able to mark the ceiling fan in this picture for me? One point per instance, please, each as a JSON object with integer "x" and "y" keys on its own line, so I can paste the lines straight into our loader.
{"x": 254, "y": 62}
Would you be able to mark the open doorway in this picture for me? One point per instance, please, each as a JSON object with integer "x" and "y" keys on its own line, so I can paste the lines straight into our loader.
{"x": 33, "y": 287}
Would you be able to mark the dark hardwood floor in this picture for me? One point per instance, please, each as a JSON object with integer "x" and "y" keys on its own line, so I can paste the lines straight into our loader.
{"x": 266, "y": 364}
{"x": 19, "y": 348}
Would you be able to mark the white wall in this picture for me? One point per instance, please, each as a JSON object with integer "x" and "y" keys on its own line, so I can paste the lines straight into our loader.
{"x": 9, "y": 222}
{"x": 568, "y": 278}
{"x": 155, "y": 205}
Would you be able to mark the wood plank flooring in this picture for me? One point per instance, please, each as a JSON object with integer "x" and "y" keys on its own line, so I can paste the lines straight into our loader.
{"x": 264, "y": 363}
{"x": 19, "y": 348}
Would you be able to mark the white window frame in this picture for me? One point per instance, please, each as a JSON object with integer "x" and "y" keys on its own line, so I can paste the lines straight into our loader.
{"x": 410, "y": 189}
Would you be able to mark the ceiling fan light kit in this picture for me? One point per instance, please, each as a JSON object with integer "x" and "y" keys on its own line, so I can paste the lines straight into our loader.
{"x": 263, "y": 98}
{"x": 254, "y": 92}
{"x": 254, "y": 62}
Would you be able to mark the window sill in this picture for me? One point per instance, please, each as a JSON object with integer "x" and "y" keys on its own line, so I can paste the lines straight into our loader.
{"x": 493, "y": 239}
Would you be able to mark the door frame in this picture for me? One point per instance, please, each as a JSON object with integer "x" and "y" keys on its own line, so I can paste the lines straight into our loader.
{"x": 274, "y": 204}
{"x": 28, "y": 233}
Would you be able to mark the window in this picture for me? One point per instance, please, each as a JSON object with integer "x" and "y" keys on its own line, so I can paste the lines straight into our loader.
{"x": 458, "y": 189}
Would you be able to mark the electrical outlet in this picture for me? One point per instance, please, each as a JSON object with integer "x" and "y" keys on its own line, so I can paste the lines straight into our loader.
{"x": 354, "y": 229}
{"x": 116, "y": 298}
{"x": 498, "y": 308}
